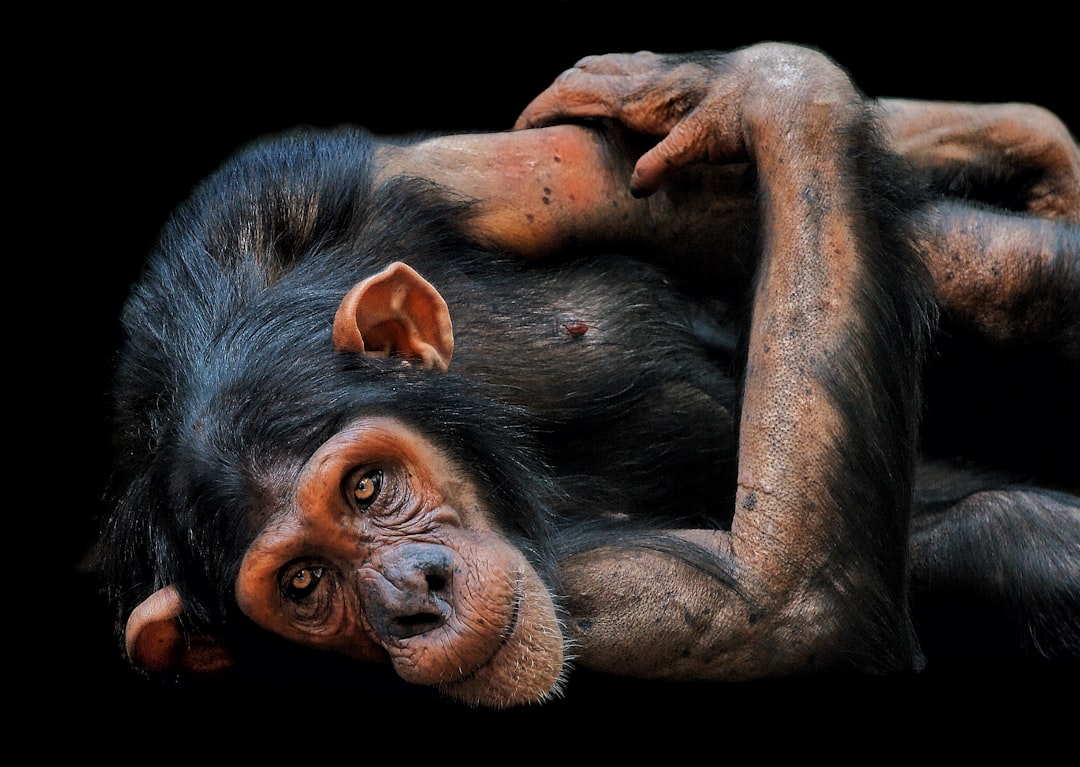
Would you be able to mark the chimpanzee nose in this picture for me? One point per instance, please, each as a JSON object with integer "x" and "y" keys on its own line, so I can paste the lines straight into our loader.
{"x": 409, "y": 592}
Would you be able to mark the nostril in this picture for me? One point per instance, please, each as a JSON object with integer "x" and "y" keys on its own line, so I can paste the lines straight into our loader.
{"x": 436, "y": 583}
{"x": 398, "y": 613}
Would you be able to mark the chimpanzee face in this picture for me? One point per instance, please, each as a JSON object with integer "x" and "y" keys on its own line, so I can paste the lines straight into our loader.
{"x": 386, "y": 552}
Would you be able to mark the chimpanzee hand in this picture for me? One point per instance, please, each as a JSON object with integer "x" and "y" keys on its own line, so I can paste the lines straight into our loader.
{"x": 701, "y": 105}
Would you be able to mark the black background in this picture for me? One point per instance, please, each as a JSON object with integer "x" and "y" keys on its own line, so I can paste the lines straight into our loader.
{"x": 122, "y": 115}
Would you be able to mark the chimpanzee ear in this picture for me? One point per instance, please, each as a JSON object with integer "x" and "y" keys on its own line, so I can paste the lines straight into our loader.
{"x": 157, "y": 642}
{"x": 396, "y": 312}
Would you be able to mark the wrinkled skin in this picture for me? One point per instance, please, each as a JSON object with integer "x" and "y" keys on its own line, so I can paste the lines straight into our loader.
{"x": 416, "y": 575}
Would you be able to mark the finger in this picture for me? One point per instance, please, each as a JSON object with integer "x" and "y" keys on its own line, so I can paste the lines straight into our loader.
{"x": 564, "y": 99}
{"x": 622, "y": 87}
{"x": 620, "y": 63}
{"x": 682, "y": 146}
{"x": 711, "y": 133}
{"x": 569, "y": 95}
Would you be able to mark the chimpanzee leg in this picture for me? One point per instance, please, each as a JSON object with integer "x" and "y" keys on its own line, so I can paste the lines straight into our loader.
{"x": 996, "y": 572}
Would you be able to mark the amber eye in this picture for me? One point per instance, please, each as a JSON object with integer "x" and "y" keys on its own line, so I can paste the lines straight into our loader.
{"x": 363, "y": 488}
{"x": 300, "y": 583}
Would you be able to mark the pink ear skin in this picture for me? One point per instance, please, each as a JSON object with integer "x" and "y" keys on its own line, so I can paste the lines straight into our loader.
{"x": 157, "y": 642}
{"x": 396, "y": 312}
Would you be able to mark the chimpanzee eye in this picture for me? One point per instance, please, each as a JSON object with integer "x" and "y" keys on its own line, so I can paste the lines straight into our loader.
{"x": 300, "y": 583}
{"x": 362, "y": 488}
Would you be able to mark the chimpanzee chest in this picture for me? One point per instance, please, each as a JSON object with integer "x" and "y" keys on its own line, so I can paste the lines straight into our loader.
{"x": 625, "y": 380}
{"x": 648, "y": 414}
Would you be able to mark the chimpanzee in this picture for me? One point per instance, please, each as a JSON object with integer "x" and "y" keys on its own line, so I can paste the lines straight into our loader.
{"x": 638, "y": 386}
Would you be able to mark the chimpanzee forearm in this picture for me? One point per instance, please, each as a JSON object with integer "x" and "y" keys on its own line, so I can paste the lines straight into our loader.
{"x": 1009, "y": 278}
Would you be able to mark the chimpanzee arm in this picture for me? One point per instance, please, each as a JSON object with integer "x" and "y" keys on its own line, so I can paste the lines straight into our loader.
{"x": 1002, "y": 244}
{"x": 829, "y": 412}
